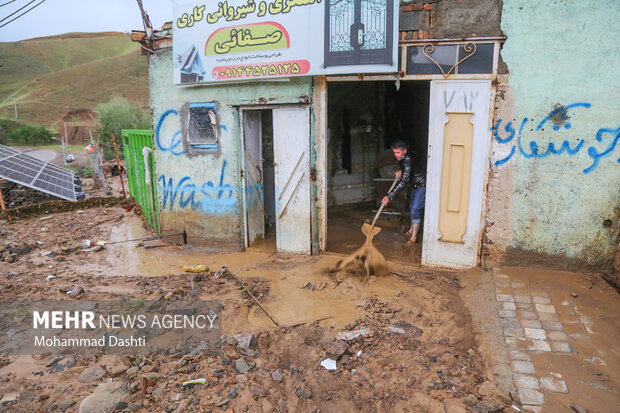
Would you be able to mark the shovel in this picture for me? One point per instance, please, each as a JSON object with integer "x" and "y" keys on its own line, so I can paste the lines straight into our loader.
{"x": 373, "y": 260}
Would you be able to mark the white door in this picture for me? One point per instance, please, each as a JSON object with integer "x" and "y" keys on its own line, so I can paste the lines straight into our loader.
{"x": 253, "y": 176}
{"x": 458, "y": 145}
{"x": 291, "y": 146}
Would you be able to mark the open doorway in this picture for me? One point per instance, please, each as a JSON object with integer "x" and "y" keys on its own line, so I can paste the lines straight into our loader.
{"x": 364, "y": 119}
{"x": 276, "y": 163}
{"x": 259, "y": 179}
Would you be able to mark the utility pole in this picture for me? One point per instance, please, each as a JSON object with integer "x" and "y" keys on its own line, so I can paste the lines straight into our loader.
{"x": 15, "y": 105}
{"x": 64, "y": 156}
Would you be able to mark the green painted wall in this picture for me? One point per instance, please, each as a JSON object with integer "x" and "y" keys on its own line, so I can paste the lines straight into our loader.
{"x": 201, "y": 194}
{"x": 563, "y": 58}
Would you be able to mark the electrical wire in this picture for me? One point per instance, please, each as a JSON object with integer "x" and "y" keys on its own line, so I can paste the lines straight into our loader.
{"x": 28, "y": 4}
{"x": 8, "y": 2}
{"x": 30, "y": 9}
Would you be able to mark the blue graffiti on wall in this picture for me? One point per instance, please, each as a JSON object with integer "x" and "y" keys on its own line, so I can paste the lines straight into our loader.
{"x": 560, "y": 116}
{"x": 175, "y": 144}
{"x": 209, "y": 198}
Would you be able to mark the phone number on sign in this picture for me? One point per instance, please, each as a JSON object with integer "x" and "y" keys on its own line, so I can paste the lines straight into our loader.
{"x": 287, "y": 68}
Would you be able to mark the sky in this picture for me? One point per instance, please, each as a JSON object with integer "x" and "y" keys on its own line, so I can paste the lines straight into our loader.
{"x": 63, "y": 16}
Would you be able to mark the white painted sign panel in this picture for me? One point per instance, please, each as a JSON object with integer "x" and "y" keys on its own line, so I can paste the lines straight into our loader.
{"x": 236, "y": 40}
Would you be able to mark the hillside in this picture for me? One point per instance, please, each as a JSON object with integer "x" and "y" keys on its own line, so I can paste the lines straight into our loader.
{"x": 51, "y": 76}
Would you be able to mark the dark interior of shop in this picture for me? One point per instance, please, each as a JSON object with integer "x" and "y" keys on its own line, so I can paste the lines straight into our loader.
{"x": 364, "y": 119}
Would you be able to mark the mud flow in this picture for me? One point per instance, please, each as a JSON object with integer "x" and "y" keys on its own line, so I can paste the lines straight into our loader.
{"x": 345, "y": 233}
{"x": 403, "y": 342}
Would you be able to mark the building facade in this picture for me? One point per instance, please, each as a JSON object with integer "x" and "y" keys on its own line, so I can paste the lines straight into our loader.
{"x": 519, "y": 134}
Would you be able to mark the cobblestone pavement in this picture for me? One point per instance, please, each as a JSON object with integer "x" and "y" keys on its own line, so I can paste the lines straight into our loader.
{"x": 563, "y": 338}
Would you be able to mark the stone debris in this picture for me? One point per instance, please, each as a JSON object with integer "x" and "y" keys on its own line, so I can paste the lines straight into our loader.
{"x": 334, "y": 347}
{"x": 241, "y": 365}
{"x": 91, "y": 374}
{"x": 105, "y": 398}
{"x": 246, "y": 342}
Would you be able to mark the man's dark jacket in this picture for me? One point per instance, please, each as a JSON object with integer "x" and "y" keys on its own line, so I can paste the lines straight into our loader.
{"x": 414, "y": 174}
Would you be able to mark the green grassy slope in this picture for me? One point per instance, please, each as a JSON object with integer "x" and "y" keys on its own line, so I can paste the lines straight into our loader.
{"x": 53, "y": 75}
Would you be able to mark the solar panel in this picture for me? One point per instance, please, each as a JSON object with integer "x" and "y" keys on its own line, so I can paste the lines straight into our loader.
{"x": 26, "y": 170}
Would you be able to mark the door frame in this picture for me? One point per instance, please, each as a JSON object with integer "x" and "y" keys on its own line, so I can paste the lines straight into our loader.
{"x": 244, "y": 165}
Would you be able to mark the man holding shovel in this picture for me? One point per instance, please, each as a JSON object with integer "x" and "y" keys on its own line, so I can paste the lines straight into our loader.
{"x": 416, "y": 175}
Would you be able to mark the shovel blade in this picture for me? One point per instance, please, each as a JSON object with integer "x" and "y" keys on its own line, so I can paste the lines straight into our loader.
{"x": 366, "y": 230}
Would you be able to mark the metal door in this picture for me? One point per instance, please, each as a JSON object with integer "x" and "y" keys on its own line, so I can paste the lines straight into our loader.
{"x": 358, "y": 32}
{"x": 252, "y": 127}
{"x": 458, "y": 147}
{"x": 291, "y": 145}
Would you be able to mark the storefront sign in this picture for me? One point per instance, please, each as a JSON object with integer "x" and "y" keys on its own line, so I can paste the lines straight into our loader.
{"x": 256, "y": 39}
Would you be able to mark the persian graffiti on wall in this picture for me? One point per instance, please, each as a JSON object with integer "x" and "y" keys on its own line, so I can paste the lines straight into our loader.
{"x": 601, "y": 143}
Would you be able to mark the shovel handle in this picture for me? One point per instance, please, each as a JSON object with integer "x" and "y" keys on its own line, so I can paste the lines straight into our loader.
{"x": 374, "y": 221}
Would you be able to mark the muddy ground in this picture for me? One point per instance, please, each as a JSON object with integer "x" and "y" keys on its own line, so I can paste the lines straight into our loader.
{"x": 417, "y": 351}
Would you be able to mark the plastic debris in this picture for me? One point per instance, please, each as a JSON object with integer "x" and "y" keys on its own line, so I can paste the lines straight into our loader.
{"x": 195, "y": 268}
{"x": 47, "y": 217}
{"x": 191, "y": 383}
{"x": 50, "y": 277}
{"x": 86, "y": 244}
{"x": 352, "y": 335}
{"x": 329, "y": 364}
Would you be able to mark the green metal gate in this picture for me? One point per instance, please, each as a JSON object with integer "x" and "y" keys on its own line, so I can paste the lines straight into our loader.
{"x": 140, "y": 165}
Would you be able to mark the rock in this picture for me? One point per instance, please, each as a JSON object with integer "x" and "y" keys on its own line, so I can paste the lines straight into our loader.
{"x": 134, "y": 407}
{"x": 577, "y": 408}
{"x": 53, "y": 361}
{"x": 65, "y": 405}
{"x": 334, "y": 347}
{"x": 486, "y": 389}
{"x": 23, "y": 250}
{"x": 352, "y": 335}
{"x": 258, "y": 390}
{"x": 395, "y": 330}
{"x": 104, "y": 399}
{"x": 9, "y": 398}
{"x": 411, "y": 330}
{"x": 114, "y": 365}
{"x": 222, "y": 402}
{"x": 75, "y": 292}
{"x": 277, "y": 376}
{"x": 63, "y": 364}
{"x": 132, "y": 371}
{"x": 470, "y": 400}
{"x": 574, "y": 295}
{"x": 267, "y": 406}
{"x": 181, "y": 407}
{"x": 246, "y": 342}
{"x": 241, "y": 365}
{"x": 92, "y": 373}
{"x": 303, "y": 394}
